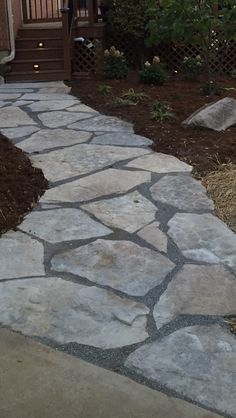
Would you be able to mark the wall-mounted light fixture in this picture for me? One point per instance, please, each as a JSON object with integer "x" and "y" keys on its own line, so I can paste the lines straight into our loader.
{"x": 40, "y": 44}
{"x": 36, "y": 67}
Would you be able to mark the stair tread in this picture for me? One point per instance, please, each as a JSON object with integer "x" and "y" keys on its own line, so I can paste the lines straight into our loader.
{"x": 38, "y": 60}
{"x": 40, "y": 38}
{"x": 38, "y": 49}
{"x": 33, "y": 72}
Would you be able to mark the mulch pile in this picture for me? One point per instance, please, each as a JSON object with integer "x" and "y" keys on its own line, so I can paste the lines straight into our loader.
{"x": 21, "y": 185}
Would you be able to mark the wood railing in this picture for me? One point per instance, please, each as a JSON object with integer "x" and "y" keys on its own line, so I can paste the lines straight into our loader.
{"x": 50, "y": 10}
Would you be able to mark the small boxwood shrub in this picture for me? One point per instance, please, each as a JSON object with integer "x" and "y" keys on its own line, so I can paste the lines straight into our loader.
{"x": 192, "y": 67}
{"x": 115, "y": 64}
{"x": 153, "y": 73}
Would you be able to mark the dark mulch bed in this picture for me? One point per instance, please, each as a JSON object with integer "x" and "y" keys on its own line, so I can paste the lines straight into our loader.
{"x": 200, "y": 147}
{"x": 21, "y": 185}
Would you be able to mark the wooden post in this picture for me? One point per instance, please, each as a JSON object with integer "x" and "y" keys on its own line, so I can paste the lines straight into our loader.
{"x": 91, "y": 12}
{"x": 66, "y": 41}
{"x": 24, "y": 11}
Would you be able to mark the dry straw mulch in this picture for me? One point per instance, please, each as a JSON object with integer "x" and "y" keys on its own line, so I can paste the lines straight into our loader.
{"x": 221, "y": 187}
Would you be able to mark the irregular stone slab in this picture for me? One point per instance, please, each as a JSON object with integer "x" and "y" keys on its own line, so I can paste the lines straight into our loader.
{"x": 217, "y": 116}
{"x": 47, "y": 105}
{"x": 11, "y": 117}
{"x": 2, "y": 103}
{"x": 100, "y": 184}
{"x": 183, "y": 192}
{"x": 160, "y": 163}
{"x": 121, "y": 265}
{"x": 203, "y": 238}
{"x": 15, "y": 133}
{"x": 198, "y": 362}
{"x": 60, "y": 118}
{"x": 9, "y": 96}
{"x": 66, "y": 312}
{"x": 22, "y": 103}
{"x": 104, "y": 124}
{"x": 53, "y": 138}
{"x": 37, "y": 85}
{"x": 81, "y": 159}
{"x": 59, "y": 90}
{"x": 129, "y": 212}
{"x": 62, "y": 225}
{"x": 21, "y": 256}
{"x": 154, "y": 236}
{"x": 81, "y": 108}
{"x": 197, "y": 290}
{"x": 9, "y": 88}
{"x": 122, "y": 139}
{"x": 48, "y": 96}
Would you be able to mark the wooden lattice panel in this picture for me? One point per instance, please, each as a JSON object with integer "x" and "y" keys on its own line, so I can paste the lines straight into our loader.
{"x": 87, "y": 57}
{"x": 222, "y": 60}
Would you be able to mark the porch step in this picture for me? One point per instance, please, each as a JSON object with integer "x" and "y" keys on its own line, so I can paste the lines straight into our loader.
{"x": 39, "y": 55}
{"x": 40, "y": 76}
{"x": 44, "y": 64}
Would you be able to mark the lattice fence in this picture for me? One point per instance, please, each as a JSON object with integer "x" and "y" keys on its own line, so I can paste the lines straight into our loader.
{"x": 88, "y": 57}
{"x": 223, "y": 55}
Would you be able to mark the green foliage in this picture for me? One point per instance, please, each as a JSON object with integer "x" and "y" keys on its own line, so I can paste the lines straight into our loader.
{"x": 104, "y": 89}
{"x": 192, "y": 22}
{"x": 115, "y": 64}
{"x": 153, "y": 73}
{"x": 133, "y": 96}
{"x": 211, "y": 89}
{"x": 192, "y": 67}
{"x": 160, "y": 111}
{"x": 121, "y": 102}
{"x": 130, "y": 17}
{"x": 233, "y": 73}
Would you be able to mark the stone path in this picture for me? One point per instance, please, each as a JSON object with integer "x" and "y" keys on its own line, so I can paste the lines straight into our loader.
{"x": 123, "y": 262}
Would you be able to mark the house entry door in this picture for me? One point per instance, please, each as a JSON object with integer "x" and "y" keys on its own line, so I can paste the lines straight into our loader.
{"x": 41, "y": 10}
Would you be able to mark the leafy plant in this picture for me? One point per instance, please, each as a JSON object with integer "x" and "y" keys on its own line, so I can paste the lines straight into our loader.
{"x": 115, "y": 64}
{"x": 133, "y": 96}
{"x": 193, "y": 22}
{"x": 160, "y": 111}
{"x": 211, "y": 89}
{"x": 104, "y": 89}
{"x": 120, "y": 102}
{"x": 192, "y": 67}
{"x": 153, "y": 73}
{"x": 233, "y": 73}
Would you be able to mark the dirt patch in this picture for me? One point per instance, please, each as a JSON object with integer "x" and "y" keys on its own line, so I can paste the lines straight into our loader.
{"x": 200, "y": 147}
{"x": 221, "y": 186}
{"x": 21, "y": 185}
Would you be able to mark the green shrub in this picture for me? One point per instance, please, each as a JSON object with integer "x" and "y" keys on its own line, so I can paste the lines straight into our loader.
{"x": 133, "y": 96}
{"x": 104, "y": 89}
{"x": 233, "y": 73}
{"x": 153, "y": 73}
{"x": 211, "y": 89}
{"x": 159, "y": 111}
{"x": 192, "y": 67}
{"x": 120, "y": 102}
{"x": 115, "y": 64}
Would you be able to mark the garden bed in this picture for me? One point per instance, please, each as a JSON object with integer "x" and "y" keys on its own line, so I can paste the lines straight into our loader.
{"x": 202, "y": 148}
{"x": 21, "y": 185}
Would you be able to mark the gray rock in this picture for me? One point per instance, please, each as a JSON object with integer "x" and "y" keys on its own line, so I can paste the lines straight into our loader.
{"x": 81, "y": 108}
{"x": 22, "y": 103}
{"x": 81, "y": 159}
{"x": 63, "y": 225}
{"x": 104, "y": 124}
{"x": 60, "y": 118}
{"x": 48, "y": 96}
{"x": 15, "y": 133}
{"x": 38, "y": 85}
{"x": 129, "y": 212}
{"x": 160, "y": 163}
{"x": 122, "y": 139}
{"x": 62, "y": 89}
{"x": 11, "y": 117}
{"x": 154, "y": 236}
{"x": 183, "y": 192}
{"x": 21, "y": 256}
{"x": 197, "y": 290}
{"x": 53, "y": 138}
{"x": 203, "y": 238}
{"x": 121, "y": 265}
{"x": 198, "y": 362}
{"x": 9, "y": 96}
{"x": 217, "y": 116}
{"x": 47, "y": 105}
{"x": 96, "y": 185}
{"x": 66, "y": 312}
{"x": 2, "y": 103}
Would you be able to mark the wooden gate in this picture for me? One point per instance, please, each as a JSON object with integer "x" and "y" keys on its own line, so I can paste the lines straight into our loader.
{"x": 41, "y": 10}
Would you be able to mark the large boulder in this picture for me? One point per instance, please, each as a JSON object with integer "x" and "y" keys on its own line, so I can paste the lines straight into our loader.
{"x": 217, "y": 116}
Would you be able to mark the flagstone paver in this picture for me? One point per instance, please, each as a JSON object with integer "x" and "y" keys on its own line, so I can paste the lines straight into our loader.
{"x": 123, "y": 261}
